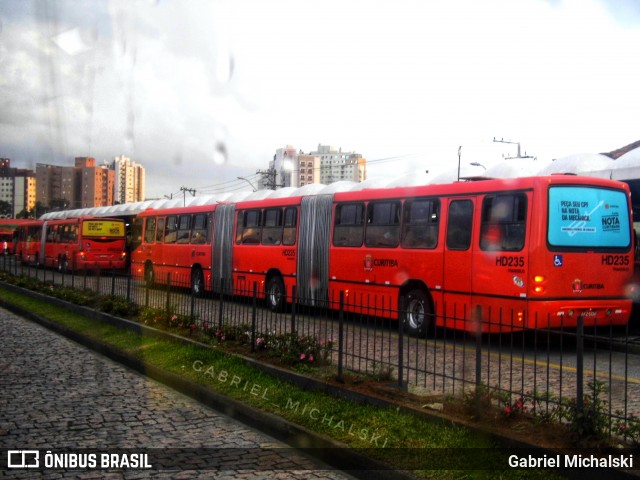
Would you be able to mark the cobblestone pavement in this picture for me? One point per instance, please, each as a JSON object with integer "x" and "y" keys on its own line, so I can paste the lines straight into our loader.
{"x": 54, "y": 394}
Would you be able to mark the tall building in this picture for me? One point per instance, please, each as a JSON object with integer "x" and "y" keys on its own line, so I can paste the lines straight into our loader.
{"x": 336, "y": 165}
{"x": 284, "y": 163}
{"x": 82, "y": 186}
{"x": 17, "y": 188}
{"x": 129, "y": 180}
{"x": 291, "y": 168}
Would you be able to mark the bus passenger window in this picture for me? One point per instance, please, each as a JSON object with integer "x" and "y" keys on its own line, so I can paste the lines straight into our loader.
{"x": 459, "y": 225}
{"x": 150, "y": 230}
{"x": 383, "y": 224}
{"x": 160, "y": 230}
{"x": 290, "y": 222}
{"x": 272, "y": 228}
{"x": 200, "y": 229}
{"x": 503, "y": 222}
{"x": 348, "y": 227}
{"x": 171, "y": 229}
{"x": 248, "y": 230}
{"x": 184, "y": 229}
{"x": 421, "y": 222}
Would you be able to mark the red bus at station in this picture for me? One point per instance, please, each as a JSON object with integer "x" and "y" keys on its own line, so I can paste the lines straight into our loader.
{"x": 74, "y": 243}
{"x": 175, "y": 241}
{"x": 29, "y": 242}
{"x": 491, "y": 255}
{"x": 8, "y": 234}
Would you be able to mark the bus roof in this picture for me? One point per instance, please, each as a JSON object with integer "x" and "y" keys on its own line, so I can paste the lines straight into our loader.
{"x": 512, "y": 176}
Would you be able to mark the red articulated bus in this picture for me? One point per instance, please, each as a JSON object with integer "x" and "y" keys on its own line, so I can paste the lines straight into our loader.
{"x": 175, "y": 241}
{"x": 492, "y": 255}
{"x": 29, "y": 242}
{"x": 74, "y": 243}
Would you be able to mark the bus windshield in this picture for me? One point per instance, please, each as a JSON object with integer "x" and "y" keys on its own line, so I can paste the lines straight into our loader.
{"x": 591, "y": 218}
{"x": 103, "y": 228}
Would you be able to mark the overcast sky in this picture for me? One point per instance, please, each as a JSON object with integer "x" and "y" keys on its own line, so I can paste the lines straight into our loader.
{"x": 201, "y": 92}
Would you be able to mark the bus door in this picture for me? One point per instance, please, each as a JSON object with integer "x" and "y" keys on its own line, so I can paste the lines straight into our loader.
{"x": 458, "y": 257}
{"x": 501, "y": 261}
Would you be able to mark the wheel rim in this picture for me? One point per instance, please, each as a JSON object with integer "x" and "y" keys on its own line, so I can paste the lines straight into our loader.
{"x": 275, "y": 294}
{"x": 415, "y": 313}
{"x": 196, "y": 283}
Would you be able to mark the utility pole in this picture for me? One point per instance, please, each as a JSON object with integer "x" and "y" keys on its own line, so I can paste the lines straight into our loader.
{"x": 269, "y": 178}
{"x": 512, "y": 143}
{"x": 184, "y": 191}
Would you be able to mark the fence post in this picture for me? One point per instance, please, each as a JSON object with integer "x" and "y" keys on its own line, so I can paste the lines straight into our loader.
{"x": 146, "y": 294}
{"x": 340, "y": 336}
{"x": 128, "y": 287}
{"x": 193, "y": 305}
{"x": 168, "y": 304}
{"x": 98, "y": 278}
{"x": 293, "y": 309}
{"x": 113, "y": 282}
{"x": 580, "y": 365}
{"x": 254, "y": 312}
{"x": 401, "y": 352}
{"x": 477, "y": 315}
{"x": 220, "y": 303}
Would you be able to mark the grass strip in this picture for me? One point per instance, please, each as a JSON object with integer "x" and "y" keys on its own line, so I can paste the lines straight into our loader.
{"x": 360, "y": 426}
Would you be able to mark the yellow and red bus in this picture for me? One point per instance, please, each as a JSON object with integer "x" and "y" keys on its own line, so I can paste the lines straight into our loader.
{"x": 74, "y": 243}
{"x": 491, "y": 255}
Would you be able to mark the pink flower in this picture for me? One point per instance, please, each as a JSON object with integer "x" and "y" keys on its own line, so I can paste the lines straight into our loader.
{"x": 507, "y": 410}
{"x": 302, "y": 356}
{"x": 311, "y": 358}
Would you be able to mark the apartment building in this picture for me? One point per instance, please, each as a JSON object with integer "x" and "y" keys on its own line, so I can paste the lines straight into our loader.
{"x": 17, "y": 188}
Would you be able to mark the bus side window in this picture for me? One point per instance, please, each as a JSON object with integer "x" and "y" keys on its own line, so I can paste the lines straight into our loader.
{"x": 383, "y": 224}
{"x": 421, "y": 223}
{"x": 160, "y": 230}
{"x": 200, "y": 233}
{"x": 272, "y": 227}
{"x": 248, "y": 229}
{"x": 184, "y": 229}
{"x": 503, "y": 224}
{"x": 348, "y": 225}
{"x": 171, "y": 229}
{"x": 72, "y": 234}
{"x": 459, "y": 224}
{"x": 290, "y": 223}
{"x": 150, "y": 230}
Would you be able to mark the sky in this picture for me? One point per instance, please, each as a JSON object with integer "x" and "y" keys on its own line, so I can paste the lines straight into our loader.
{"x": 201, "y": 92}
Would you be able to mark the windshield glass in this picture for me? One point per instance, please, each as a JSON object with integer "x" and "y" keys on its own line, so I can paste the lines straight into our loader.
{"x": 588, "y": 217}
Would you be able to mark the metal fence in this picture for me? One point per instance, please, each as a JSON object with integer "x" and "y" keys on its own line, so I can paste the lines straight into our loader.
{"x": 585, "y": 368}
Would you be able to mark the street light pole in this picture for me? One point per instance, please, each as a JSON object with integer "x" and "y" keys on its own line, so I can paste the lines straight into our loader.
{"x": 249, "y": 182}
{"x": 459, "y": 155}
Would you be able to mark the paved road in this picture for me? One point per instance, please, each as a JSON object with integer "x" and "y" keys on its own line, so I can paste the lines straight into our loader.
{"x": 54, "y": 394}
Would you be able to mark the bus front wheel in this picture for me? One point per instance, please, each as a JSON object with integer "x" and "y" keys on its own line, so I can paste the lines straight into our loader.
{"x": 416, "y": 313}
{"x": 149, "y": 276}
{"x": 275, "y": 293}
{"x": 197, "y": 282}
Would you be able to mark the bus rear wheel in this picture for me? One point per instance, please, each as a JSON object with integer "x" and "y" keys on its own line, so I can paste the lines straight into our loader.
{"x": 275, "y": 294}
{"x": 63, "y": 264}
{"x": 197, "y": 282}
{"x": 416, "y": 313}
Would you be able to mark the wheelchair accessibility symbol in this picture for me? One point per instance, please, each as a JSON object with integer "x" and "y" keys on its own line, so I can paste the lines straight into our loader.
{"x": 557, "y": 260}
